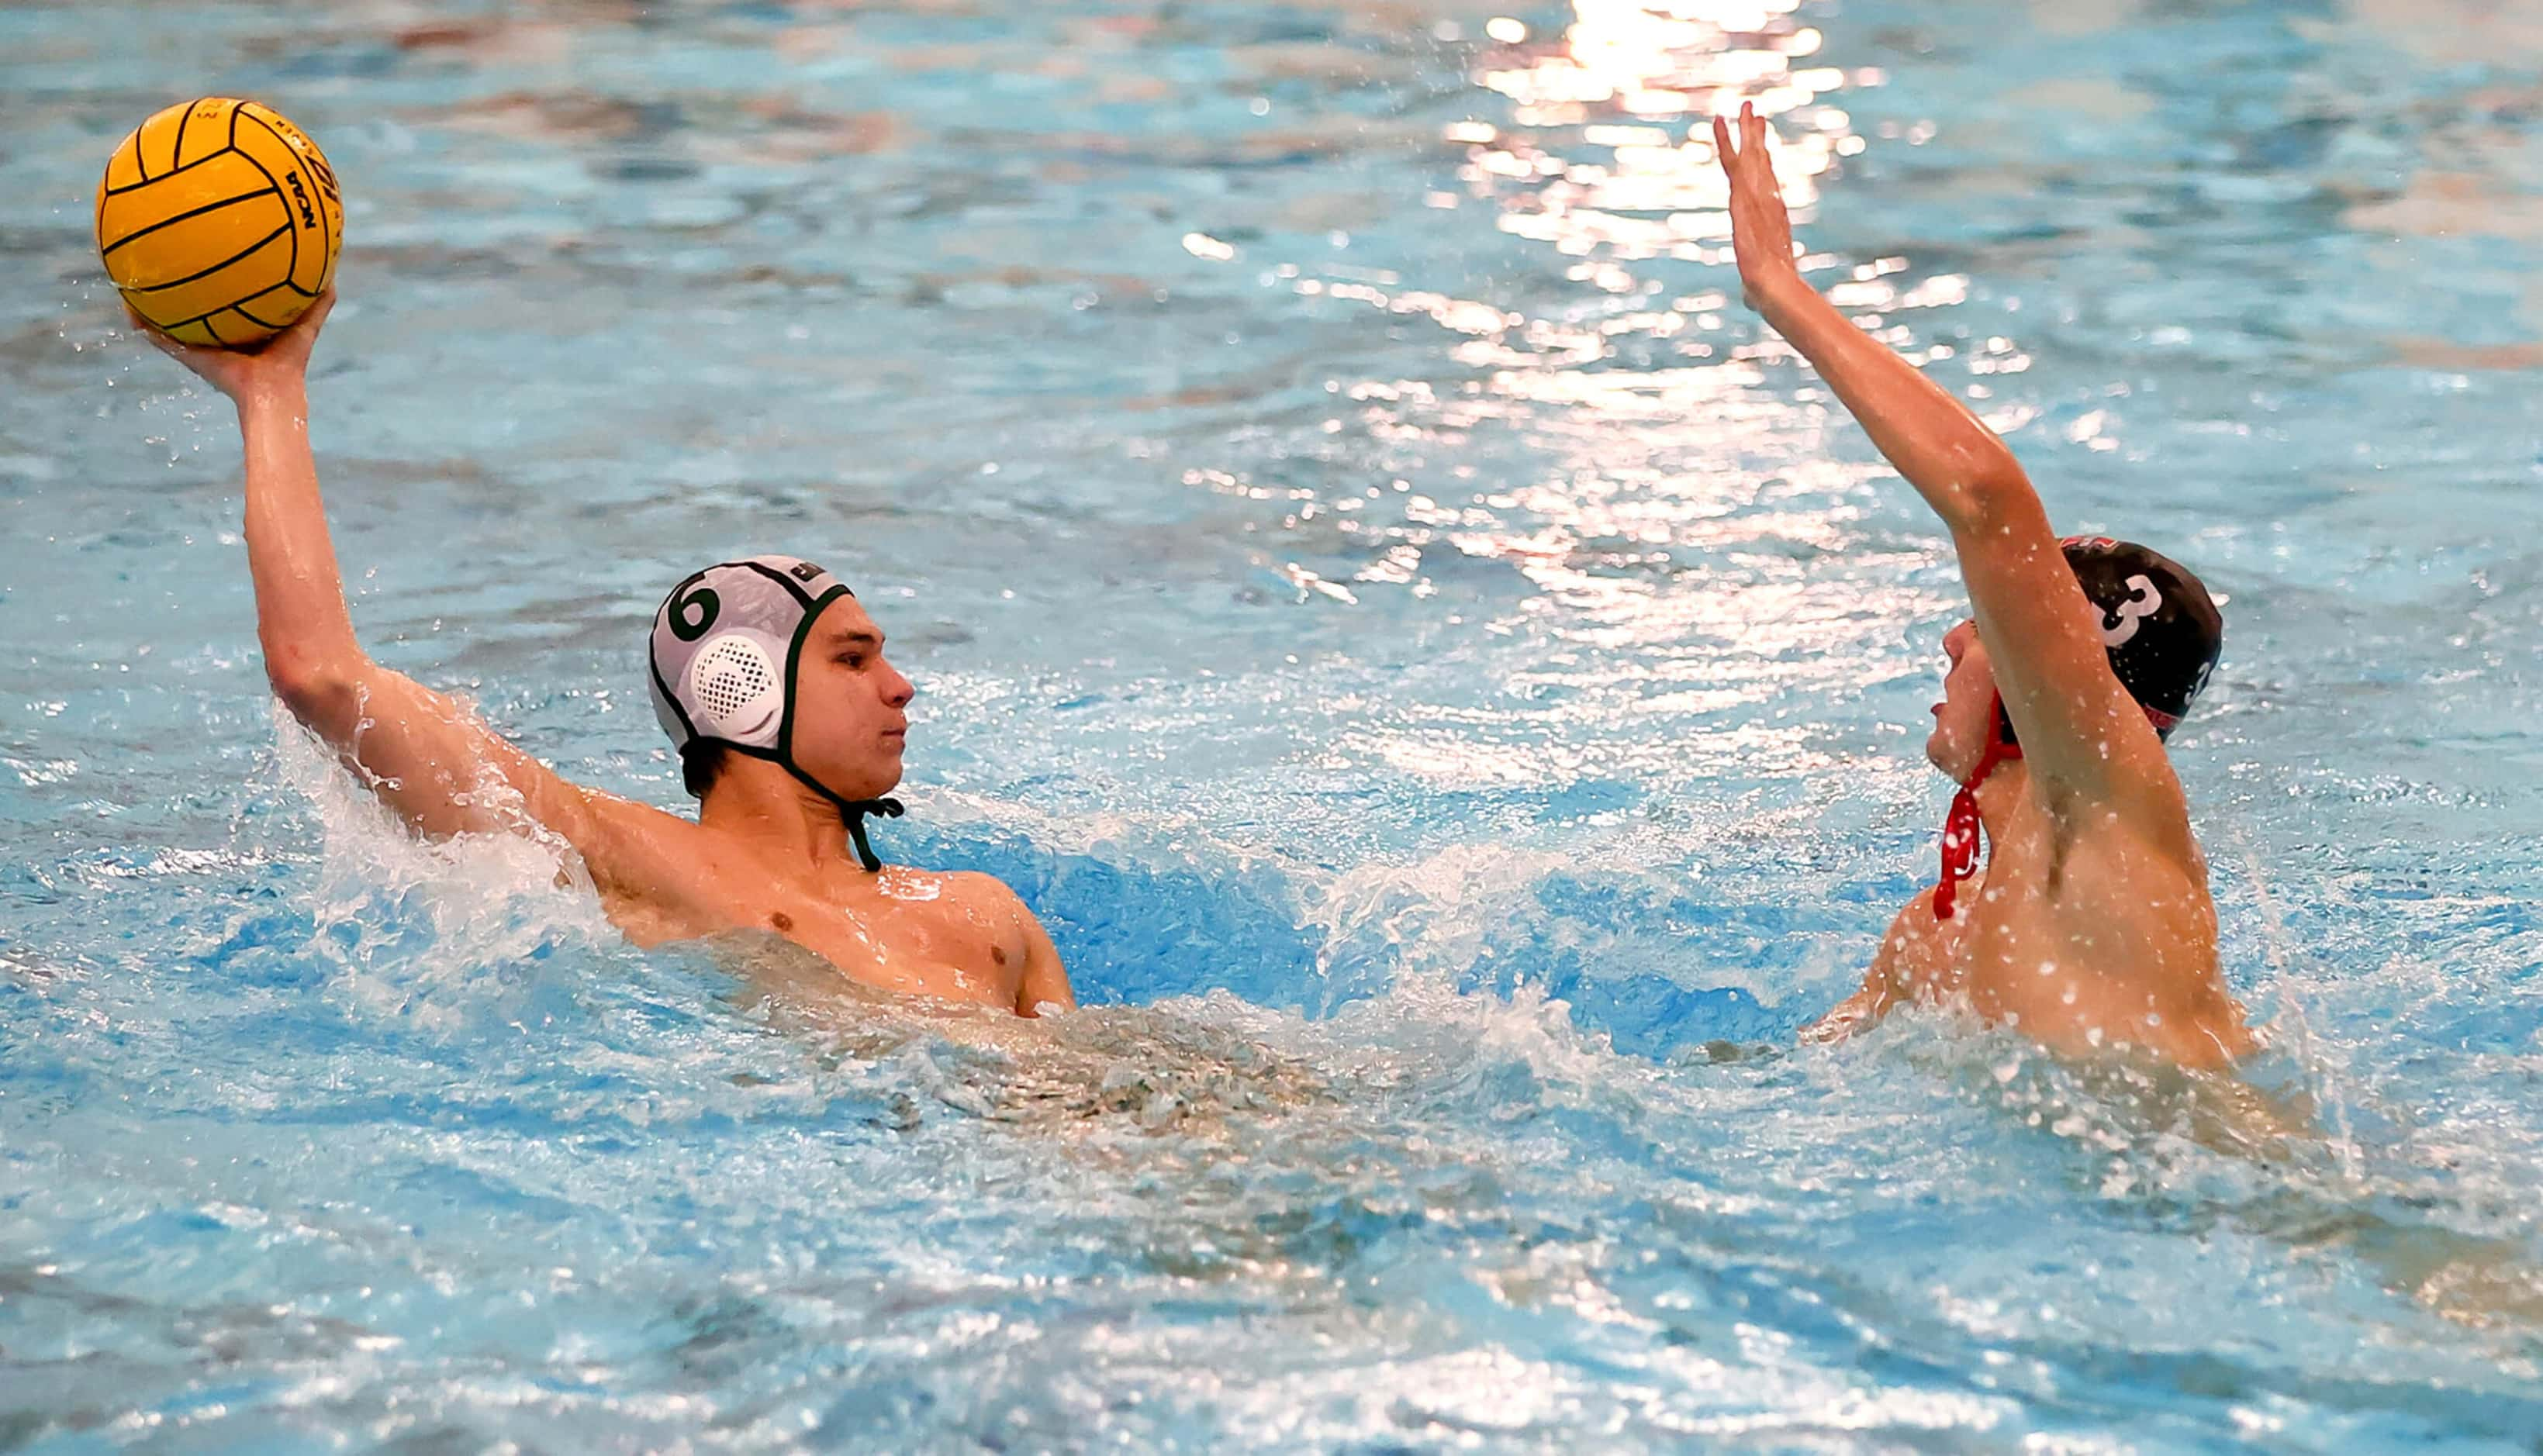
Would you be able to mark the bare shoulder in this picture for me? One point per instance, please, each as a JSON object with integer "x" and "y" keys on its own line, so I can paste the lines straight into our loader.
{"x": 1920, "y": 951}
{"x": 1913, "y": 950}
{"x": 985, "y": 892}
{"x": 629, "y": 819}
{"x": 639, "y": 850}
{"x": 1916, "y": 920}
{"x": 1918, "y": 912}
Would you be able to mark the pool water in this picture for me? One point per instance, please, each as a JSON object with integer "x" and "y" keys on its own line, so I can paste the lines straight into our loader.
{"x": 1451, "y": 686}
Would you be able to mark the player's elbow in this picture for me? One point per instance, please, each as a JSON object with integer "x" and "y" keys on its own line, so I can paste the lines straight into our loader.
{"x": 321, "y": 691}
{"x": 1994, "y": 494}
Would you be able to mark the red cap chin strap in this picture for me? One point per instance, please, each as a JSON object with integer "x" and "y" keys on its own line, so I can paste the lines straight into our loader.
{"x": 1961, "y": 831}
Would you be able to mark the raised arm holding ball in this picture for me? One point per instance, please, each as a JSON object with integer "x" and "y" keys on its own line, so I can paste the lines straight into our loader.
{"x": 2090, "y": 927}
{"x": 768, "y": 675}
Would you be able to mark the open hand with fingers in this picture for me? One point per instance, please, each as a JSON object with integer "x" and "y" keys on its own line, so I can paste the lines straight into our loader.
{"x": 244, "y": 372}
{"x": 1761, "y": 232}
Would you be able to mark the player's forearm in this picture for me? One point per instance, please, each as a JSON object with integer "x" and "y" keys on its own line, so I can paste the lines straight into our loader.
{"x": 1961, "y": 468}
{"x": 301, "y": 621}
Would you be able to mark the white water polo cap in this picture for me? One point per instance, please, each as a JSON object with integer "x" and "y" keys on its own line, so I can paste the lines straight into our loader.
{"x": 726, "y": 643}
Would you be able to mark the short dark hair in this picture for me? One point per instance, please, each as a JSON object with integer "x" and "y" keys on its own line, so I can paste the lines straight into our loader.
{"x": 701, "y": 764}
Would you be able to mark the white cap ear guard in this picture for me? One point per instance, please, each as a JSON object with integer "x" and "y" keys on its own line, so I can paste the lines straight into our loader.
{"x": 736, "y": 690}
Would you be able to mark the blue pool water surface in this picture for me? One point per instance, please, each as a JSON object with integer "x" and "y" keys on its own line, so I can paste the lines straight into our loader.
{"x": 1452, "y": 687}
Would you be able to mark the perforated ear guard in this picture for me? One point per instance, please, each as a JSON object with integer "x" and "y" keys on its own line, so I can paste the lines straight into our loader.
{"x": 737, "y": 688}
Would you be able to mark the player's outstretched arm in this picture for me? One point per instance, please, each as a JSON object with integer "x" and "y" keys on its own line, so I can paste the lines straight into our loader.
{"x": 429, "y": 758}
{"x": 2081, "y": 732}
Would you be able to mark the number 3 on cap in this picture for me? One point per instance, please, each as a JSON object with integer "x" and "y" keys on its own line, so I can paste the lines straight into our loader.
{"x": 705, "y": 604}
{"x": 2143, "y": 601}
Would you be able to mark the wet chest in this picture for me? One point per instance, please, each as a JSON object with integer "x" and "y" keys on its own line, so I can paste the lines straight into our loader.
{"x": 967, "y": 948}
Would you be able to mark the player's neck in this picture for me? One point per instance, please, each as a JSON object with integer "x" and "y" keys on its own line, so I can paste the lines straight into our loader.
{"x": 781, "y": 819}
{"x": 2001, "y": 797}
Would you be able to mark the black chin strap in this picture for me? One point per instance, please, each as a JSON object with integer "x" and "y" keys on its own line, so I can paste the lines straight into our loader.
{"x": 854, "y": 811}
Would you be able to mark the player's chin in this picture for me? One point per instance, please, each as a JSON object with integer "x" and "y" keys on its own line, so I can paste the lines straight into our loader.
{"x": 870, "y": 778}
{"x": 1942, "y": 753}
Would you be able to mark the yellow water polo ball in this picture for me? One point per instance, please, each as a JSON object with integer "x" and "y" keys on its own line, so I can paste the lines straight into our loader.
{"x": 219, "y": 221}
